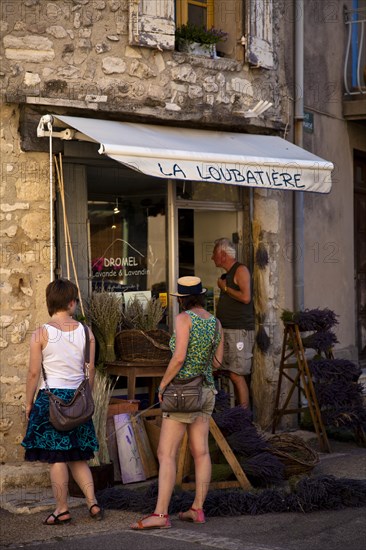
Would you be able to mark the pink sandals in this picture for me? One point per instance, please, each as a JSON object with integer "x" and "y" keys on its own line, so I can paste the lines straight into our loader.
{"x": 139, "y": 525}
{"x": 198, "y": 515}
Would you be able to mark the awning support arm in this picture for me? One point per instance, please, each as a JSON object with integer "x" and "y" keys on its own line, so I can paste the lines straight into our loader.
{"x": 47, "y": 120}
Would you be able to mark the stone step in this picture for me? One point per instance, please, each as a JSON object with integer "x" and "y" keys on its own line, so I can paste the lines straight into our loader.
{"x": 24, "y": 474}
{"x": 25, "y": 488}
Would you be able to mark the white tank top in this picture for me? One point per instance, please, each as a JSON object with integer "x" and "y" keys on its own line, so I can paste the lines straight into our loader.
{"x": 63, "y": 357}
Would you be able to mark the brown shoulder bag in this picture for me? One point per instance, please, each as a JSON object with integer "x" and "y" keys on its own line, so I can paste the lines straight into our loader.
{"x": 67, "y": 416}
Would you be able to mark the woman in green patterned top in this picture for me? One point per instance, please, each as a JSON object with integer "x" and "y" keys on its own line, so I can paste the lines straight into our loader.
{"x": 195, "y": 334}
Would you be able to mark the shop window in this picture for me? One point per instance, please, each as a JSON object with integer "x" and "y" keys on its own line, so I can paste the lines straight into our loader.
{"x": 127, "y": 232}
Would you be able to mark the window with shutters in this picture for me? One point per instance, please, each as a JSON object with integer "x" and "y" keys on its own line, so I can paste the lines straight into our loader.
{"x": 248, "y": 23}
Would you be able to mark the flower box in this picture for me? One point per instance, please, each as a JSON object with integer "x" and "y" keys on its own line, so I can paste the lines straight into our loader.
{"x": 196, "y": 48}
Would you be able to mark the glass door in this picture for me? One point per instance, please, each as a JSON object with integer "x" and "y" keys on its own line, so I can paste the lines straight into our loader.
{"x": 198, "y": 229}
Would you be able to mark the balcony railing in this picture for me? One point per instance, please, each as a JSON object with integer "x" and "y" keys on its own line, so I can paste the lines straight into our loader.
{"x": 355, "y": 61}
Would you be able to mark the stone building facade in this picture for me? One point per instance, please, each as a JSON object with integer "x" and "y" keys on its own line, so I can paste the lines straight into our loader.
{"x": 115, "y": 60}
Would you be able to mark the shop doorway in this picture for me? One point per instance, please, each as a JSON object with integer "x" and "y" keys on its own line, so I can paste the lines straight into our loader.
{"x": 198, "y": 229}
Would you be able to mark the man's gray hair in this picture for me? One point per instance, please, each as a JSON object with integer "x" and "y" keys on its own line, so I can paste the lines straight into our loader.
{"x": 227, "y": 246}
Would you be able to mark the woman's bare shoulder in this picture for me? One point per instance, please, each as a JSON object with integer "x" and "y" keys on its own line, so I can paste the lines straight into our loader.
{"x": 182, "y": 319}
{"x": 40, "y": 335}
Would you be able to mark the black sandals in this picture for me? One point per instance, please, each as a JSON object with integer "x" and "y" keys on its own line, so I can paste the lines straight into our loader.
{"x": 98, "y": 516}
{"x": 56, "y": 519}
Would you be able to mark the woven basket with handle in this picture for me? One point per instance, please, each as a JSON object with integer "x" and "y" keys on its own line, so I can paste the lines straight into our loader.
{"x": 135, "y": 345}
{"x": 294, "y": 453}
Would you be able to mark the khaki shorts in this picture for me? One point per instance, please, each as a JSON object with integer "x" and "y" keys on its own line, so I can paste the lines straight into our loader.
{"x": 238, "y": 350}
{"x": 208, "y": 395}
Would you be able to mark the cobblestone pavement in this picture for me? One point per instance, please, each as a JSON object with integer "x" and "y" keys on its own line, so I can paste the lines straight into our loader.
{"x": 23, "y": 510}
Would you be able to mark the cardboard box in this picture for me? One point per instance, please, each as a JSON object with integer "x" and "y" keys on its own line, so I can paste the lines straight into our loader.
{"x": 121, "y": 406}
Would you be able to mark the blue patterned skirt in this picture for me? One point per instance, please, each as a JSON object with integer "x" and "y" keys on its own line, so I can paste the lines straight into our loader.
{"x": 46, "y": 444}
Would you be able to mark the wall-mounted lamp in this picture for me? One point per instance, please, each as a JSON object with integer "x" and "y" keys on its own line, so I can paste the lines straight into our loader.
{"x": 257, "y": 110}
{"x": 116, "y": 209}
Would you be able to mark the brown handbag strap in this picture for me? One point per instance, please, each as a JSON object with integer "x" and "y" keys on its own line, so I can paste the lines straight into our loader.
{"x": 87, "y": 344}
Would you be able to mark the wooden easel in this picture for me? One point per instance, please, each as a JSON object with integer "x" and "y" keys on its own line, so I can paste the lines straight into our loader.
{"x": 241, "y": 479}
{"x": 292, "y": 347}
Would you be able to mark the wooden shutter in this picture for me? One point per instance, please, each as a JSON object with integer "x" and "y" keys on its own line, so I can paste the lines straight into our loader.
{"x": 151, "y": 24}
{"x": 259, "y": 43}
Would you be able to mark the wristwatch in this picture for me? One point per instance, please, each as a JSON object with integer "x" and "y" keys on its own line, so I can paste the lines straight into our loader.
{"x": 225, "y": 289}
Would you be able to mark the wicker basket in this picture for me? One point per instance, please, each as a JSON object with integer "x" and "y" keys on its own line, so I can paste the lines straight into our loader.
{"x": 150, "y": 347}
{"x": 294, "y": 453}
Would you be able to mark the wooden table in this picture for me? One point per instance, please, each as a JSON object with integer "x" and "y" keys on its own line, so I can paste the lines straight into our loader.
{"x": 137, "y": 370}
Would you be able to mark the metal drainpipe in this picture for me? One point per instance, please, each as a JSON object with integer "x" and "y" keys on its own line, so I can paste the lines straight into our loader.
{"x": 298, "y": 203}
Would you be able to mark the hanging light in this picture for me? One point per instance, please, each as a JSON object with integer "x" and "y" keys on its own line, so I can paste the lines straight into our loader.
{"x": 116, "y": 209}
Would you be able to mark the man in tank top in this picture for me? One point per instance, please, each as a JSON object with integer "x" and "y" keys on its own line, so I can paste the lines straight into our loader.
{"x": 236, "y": 314}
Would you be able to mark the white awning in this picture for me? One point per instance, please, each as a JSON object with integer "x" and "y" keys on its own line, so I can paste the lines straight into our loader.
{"x": 200, "y": 155}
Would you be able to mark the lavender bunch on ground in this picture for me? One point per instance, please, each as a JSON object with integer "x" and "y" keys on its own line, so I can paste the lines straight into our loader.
{"x": 233, "y": 420}
{"x": 247, "y": 442}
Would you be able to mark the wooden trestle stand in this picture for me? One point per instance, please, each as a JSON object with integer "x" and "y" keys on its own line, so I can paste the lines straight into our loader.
{"x": 292, "y": 348}
{"x": 184, "y": 455}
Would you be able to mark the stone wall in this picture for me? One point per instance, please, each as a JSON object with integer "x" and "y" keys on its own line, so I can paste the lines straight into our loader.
{"x": 74, "y": 56}
{"x": 77, "y": 54}
{"x": 24, "y": 232}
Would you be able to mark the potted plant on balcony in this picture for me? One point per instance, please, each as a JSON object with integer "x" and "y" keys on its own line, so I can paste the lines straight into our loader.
{"x": 198, "y": 40}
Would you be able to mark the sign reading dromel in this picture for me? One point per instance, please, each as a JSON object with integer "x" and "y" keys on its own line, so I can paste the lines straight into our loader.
{"x": 129, "y": 261}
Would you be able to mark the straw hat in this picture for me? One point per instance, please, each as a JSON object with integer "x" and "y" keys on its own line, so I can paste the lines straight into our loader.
{"x": 189, "y": 286}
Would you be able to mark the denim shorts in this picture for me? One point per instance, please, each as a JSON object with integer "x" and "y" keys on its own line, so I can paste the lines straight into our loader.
{"x": 208, "y": 398}
{"x": 238, "y": 350}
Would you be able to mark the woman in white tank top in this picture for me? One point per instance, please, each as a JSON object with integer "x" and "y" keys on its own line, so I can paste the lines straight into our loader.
{"x": 60, "y": 346}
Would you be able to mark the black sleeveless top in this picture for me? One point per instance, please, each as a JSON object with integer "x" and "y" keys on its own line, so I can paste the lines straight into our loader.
{"x": 230, "y": 312}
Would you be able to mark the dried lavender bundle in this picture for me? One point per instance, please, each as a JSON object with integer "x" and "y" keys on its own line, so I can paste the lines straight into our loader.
{"x": 344, "y": 416}
{"x": 262, "y": 339}
{"x": 310, "y": 494}
{"x": 329, "y": 369}
{"x": 263, "y": 469}
{"x": 222, "y": 401}
{"x": 247, "y": 442}
{"x": 311, "y": 319}
{"x": 233, "y": 420}
{"x": 322, "y": 341}
{"x": 336, "y": 393}
{"x": 261, "y": 256}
